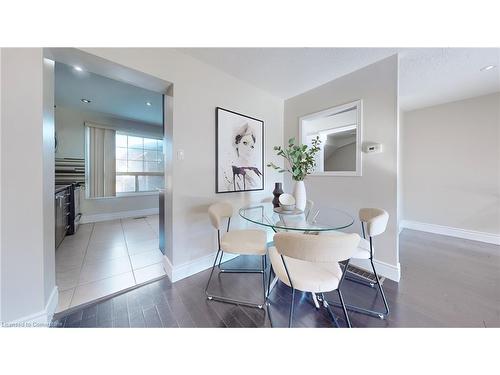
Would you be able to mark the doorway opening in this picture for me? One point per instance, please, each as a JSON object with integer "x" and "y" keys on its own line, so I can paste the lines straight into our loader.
{"x": 110, "y": 172}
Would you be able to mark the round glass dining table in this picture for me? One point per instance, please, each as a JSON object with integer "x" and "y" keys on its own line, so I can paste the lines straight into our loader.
{"x": 319, "y": 220}
{"x": 310, "y": 221}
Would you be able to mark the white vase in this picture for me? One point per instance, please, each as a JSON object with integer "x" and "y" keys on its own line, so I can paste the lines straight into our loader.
{"x": 299, "y": 193}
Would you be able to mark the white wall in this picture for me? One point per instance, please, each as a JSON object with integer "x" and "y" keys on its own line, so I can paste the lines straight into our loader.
{"x": 451, "y": 164}
{"x": 27, "y": 273}
{"x": 71, "y": 143}
{"x": 377, "y": 86}
{"x": 198, "y": 89}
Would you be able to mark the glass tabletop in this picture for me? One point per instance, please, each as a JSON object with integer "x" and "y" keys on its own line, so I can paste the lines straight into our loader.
{"x": 319, "y": 220}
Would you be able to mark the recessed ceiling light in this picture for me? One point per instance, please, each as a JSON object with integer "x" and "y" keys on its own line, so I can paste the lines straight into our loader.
{"x": 148, "y": 104}
{"x": 87, "y": 101}
{"x": 488, "y": 67}
{"x": 78, "y": 68}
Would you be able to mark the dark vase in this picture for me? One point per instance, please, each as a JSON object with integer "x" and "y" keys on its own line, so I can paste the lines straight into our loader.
{"x": 278, "y": 190}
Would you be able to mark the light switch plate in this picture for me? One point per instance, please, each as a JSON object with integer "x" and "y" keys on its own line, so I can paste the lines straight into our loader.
{"x": 180, "y": 155}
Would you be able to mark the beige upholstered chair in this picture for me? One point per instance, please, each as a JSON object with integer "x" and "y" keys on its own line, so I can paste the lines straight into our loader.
{"x": 310, "y": 263}
{"x": 373, "y": 222}
{"x": 242, "y": 242}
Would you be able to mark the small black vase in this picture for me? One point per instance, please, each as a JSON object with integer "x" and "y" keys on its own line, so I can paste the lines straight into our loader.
{"x": 278, "y": 190}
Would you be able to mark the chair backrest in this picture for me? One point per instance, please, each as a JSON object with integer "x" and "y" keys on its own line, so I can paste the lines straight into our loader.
{"x": 219, "y": 211}
{"x": 314, "y": 248}
{"x": 375, "y": 219}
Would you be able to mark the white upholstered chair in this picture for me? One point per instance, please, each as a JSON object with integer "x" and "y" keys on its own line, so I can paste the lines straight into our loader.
{"x": 373, "y": 223}
{"x": 241, "y": 242}
{"x": 310, "y": 263}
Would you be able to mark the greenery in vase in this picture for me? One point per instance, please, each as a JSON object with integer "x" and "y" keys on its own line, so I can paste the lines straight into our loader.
{"x": 300, "y": 158}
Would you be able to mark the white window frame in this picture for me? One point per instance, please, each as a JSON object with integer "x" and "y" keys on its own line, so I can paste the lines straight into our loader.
{"x": 136, "y": 175}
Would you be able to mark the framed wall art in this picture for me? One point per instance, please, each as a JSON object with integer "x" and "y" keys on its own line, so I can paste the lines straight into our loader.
{"x": 239, "y": 159}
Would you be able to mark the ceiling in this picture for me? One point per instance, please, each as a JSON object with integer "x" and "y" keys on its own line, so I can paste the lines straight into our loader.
{"x": 115, "y": 98}
{"x": 428, "y": 76}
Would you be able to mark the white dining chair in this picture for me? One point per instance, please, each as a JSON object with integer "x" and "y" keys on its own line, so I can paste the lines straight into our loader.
{"x": 311, "y": 264}
{"x": 373, "y": 223}
{"x": 307, "y": 212}
{"x": 241, "y": 242}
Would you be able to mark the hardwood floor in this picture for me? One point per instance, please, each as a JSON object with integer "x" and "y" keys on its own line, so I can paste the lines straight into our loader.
{"x": 446, "y": 282}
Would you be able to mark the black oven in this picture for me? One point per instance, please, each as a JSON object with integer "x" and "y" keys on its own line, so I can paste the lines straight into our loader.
{"x": 74, "y": 208}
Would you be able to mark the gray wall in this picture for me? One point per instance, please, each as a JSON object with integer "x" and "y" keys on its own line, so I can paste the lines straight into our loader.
{"x": 377, "y": 86}
{"x": 451, "y": 164}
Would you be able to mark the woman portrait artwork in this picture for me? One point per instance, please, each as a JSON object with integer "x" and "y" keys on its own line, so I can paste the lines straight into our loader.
{"x": 239, "y": 159}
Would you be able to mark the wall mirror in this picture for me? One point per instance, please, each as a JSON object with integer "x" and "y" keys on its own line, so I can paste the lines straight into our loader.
{"x": 339, "y": 129}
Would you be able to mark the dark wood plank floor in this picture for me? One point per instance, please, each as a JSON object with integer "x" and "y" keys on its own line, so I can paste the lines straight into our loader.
{"x": 446, "y": 282}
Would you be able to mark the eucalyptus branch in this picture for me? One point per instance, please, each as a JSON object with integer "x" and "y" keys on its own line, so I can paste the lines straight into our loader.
{"x": 300, "y": 158}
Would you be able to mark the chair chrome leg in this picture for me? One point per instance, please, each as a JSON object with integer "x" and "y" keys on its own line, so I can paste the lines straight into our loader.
{"x": 360, "y": 281}
{"x": 235, "y": 301}
{"x": 269, "y": 281}
{"x": 290, "y": 318}
{"x": 236, "y": 270}
{"x": 343, "y": 308}
{"x": 387, "y": 311}
{"x": 220, "y": 260}
{"x": 315, "y": 300}
{"x": 330, "y": 312}
{"x": 229, "y": 300}
{"x": 376, "y": 314}
{"x": 268, "y": 312}
{"x": 360, "y": 310}
{"x": 211, "y": 274}
{"x": 346, "y": 274}
{"x": 264, "y": 278}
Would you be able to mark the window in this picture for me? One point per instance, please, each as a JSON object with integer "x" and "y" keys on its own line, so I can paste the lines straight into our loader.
{"x": 139, "y": 164}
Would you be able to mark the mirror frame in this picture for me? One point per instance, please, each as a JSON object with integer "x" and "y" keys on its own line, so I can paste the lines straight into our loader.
{"x": 358, "y": 104}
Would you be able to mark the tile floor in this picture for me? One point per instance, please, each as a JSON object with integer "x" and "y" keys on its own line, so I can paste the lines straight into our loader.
{"x": 106, "y": 257}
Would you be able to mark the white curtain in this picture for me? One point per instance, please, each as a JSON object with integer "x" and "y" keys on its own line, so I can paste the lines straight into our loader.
{"x": 100, "y": 161}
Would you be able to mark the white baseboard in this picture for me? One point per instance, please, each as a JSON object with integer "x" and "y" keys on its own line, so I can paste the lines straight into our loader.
{"x": 201, "y": 264}
{"x": 41, "y": 318}
{"x": 168, "y": 267}
{"x": 51, "y": 307}
{"x": 453, "y": 232}
{"x": 118, "y": 215}
{"x": 176, "y": 273}
{"x": 389, "y": 271}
